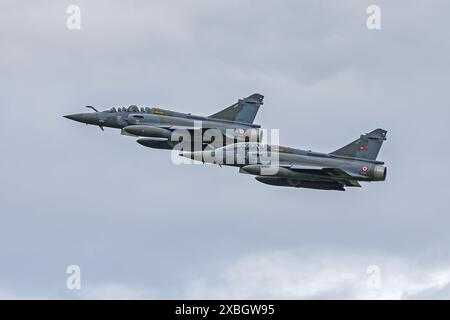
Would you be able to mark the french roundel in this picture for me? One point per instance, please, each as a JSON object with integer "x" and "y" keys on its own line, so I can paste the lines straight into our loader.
{"x": 364, "y": 169}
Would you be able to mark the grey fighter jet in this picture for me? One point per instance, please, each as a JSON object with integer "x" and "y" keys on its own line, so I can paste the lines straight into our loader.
{"x": 156, "y": 125}
{"x": 288, "y": 167}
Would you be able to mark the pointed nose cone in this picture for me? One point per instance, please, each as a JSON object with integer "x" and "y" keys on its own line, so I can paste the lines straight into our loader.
{"x": 194, "y": 155}
{"x": 80, "y": 117}
{"x": 186, "y": 154}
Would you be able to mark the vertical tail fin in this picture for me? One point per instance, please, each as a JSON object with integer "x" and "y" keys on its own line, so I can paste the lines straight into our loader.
{"x": 366, "y": 147}
{"x": 244, "y": 110}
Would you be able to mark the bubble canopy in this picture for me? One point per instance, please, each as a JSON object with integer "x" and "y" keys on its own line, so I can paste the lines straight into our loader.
{"x": 131, "y": 109}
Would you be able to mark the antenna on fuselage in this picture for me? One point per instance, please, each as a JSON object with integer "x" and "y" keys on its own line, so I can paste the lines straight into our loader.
{"x": 91, "y": 107}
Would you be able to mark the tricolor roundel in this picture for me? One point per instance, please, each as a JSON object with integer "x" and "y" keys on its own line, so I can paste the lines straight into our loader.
{"x": 363, "y": 149}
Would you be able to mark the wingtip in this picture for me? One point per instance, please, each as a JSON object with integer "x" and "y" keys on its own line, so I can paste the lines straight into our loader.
{"x": 256, "y": 98}
{"x": 378, "y": 133}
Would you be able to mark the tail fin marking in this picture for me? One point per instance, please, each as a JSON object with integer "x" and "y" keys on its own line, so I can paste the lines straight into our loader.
{"x": 366, "y": 147}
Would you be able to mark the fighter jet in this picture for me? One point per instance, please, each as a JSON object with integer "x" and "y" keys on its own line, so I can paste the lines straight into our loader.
{"x": 157, "y": 125}
{"x": 289, "y": 167}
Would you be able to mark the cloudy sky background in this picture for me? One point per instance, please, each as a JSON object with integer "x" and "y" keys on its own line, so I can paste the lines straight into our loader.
{"x": 141, "y": 227}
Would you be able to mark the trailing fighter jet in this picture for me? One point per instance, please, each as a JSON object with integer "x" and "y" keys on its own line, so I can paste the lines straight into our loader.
{"x": 157, "y": 125}
{"x": 288, "y": 167}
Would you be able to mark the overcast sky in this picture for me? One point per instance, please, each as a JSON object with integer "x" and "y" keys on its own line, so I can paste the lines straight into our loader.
{"x": 141, "y": 227}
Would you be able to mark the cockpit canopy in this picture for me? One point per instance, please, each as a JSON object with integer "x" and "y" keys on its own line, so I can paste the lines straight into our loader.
{"x": 132, "y": 109}
{"x": 250, "y": 146}
{"x": 111, "y": 110}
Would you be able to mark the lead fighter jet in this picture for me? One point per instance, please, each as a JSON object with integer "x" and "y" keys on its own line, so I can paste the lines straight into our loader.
{"x": 157, "y": 125}
{"x": 288, "y": 167}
